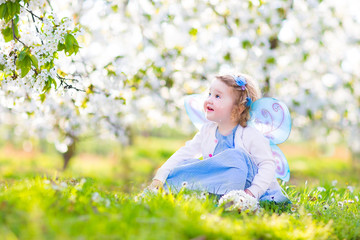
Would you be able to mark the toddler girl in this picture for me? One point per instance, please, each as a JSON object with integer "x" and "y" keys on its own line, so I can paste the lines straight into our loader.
{"x": 235, "y": 156}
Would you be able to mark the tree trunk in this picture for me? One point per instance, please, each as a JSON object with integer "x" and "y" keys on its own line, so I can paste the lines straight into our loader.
{"x": 69, "y": 154}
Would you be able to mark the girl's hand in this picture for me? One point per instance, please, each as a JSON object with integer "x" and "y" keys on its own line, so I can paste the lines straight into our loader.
{"x": 249, "y": 193}
{"x": 156, "y": 184}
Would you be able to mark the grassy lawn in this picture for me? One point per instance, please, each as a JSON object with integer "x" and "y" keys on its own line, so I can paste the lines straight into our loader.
{"x": 99, "y": 197}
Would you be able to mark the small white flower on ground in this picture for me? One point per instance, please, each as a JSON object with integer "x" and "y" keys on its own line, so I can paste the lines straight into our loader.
{"x": 107, "y": 203}
{"x": 357, "y": 198}
{"x": 54, "y": 186}
{"x": 46, "y": 181}
{"x": 239, "y": 201}
{"x": 351, "y": 189}
{"x": 96, "y": 197}
{"x": 293, "y": 208}
{"x": 184, "y": 184}
{"x": 334, "y": 182}
{"x": 326, "y": 207}
{"x": 321, "y": 189}
{"x": 63, "y": 184}
{"x": 340, "y": 204}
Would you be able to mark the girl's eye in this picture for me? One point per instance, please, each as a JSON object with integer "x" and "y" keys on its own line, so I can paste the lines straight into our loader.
{"x": 209, "y": 94}
{"x": 217, "y": 96}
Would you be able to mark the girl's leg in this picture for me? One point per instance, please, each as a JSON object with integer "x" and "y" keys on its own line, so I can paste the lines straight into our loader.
{"x": 229, "y": 170}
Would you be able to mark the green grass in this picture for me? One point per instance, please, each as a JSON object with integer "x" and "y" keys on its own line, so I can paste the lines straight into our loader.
{"x": 99, "y": 197}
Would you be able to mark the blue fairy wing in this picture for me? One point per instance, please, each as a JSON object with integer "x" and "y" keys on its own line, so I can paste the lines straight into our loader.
{"x": 272, "y": 118}
{"x": 282, "y": 166}
{"x": 194, "y": 106}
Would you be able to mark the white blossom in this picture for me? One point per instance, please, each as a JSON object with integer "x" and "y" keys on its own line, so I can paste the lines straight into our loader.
{"x": 238, "y": 200}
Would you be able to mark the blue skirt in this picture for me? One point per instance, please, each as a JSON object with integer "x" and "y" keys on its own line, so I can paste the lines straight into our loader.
{"x": 229, "y": 170}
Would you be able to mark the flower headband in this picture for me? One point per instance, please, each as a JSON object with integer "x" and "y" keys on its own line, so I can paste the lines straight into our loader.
{"x": 241, "y": 82}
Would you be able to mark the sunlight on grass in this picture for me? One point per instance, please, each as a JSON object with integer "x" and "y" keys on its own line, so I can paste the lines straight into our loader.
{"x": 98, "y": 197}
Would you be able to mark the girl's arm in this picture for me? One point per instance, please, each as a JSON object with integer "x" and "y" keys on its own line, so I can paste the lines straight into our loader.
{"x": 191, "y": 149}
{"x": 260, "y": 151}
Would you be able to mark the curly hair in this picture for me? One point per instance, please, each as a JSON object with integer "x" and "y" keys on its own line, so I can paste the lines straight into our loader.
{"x": 240, "y": 112}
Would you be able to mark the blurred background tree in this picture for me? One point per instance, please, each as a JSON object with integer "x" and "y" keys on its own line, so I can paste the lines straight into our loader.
{"x": 137, "y": 59}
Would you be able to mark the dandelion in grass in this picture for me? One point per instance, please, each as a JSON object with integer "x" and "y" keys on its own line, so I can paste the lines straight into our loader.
{"x": 238, "y": 200}
{"x": 184, "y": 184}
{"x": 326, "y": 207}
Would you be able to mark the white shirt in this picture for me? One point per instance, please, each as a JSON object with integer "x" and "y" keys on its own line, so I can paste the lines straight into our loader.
{"x": 248, "y": 139}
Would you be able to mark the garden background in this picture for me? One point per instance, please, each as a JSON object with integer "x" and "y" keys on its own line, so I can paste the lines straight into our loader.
{"x": 91, "y": 104}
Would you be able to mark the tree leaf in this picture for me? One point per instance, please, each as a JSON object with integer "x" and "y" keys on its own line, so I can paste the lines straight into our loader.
{"x": 24, "y": 62}
{"x": 34, "y": 61}
{"x": 9, "y": 9}
{"x": 7, "y": 34}
{"x": 42, "y": 97}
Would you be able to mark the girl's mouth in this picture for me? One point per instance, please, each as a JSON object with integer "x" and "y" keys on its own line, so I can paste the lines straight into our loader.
{"x": 209, "y": 109}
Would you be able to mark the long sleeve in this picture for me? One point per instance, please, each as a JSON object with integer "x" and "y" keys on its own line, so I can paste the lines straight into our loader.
{"x": 191, "y": 149}
{"x": 260, "y": 151}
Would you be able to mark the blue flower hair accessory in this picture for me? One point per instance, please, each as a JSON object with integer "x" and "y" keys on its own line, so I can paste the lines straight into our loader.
{"x": 248, "y": 102}
{"x": 241, "y": 82}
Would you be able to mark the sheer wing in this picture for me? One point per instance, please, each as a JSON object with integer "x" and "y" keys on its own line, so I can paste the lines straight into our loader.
{"x": 194, "y": 106}
{"x": 282, "y": 166}
{"x": 272, "y": 118}
{"x": 268, "y": 115}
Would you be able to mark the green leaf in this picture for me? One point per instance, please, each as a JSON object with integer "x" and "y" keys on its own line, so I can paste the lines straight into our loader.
{"x": 22, "y": 54}
{"x": 42, "y": 97}
{"x": 246, "y": 44}
{"x": 3, "y": 10}
{"x": 48, "y": 84}
{"x": 7, "y": 34}
{"x": 48, "y": 65}
{"x": 193, "y": 32}
{"x": 9, "y": 9}
{"x": 60, "y": 46}
{"x": 2, "y": 67}
{"x": 270, "y": 60}
{"x": 71, "y": 45}
{"x": 34, "y": 61}
{"x": 24, "y": 62}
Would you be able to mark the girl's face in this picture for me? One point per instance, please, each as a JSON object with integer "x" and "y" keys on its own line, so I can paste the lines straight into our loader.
{"x": 220, "y": 102}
